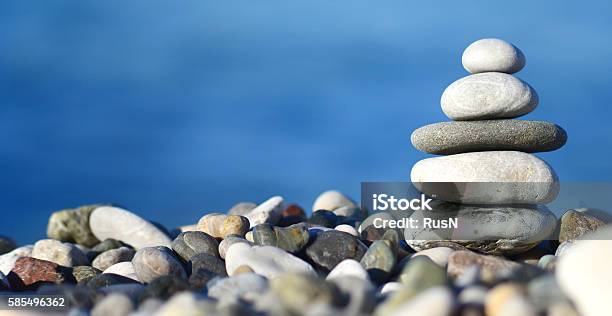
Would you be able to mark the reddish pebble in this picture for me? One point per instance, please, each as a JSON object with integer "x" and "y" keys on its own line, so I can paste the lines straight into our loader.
{"x": 29, "y": 273}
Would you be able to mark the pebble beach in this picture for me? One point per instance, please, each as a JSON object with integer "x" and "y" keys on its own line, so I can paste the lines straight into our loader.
{"x": 273, "y": 257}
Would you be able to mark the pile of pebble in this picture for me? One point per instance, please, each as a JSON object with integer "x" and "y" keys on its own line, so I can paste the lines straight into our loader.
{"x": 488, "y": 168}
{"x": 274, "y": 259}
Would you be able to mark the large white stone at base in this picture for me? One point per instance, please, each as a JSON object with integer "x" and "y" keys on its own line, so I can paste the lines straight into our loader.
{"x": 491, "y": 177}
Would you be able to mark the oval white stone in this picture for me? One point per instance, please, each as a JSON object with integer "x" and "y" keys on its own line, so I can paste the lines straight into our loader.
{"x": 492, "y": 54}
{"x": 583, "y": 273}
{"x": 491, "y": 177}
{"x": 348, "y": 267}
{"x": 489, "y": 95}
{"x": 267, "y": 261}
{"x": 113, "y": 222}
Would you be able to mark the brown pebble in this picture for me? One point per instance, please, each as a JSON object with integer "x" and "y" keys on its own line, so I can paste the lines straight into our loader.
{"x": 235, "y": 225}
{"x": 492, "y": 266}
{"x": 29, "y": 273}
{"x": 293, "y": 210}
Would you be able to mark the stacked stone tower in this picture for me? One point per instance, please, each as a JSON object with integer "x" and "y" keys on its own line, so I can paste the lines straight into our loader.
{"x": 496, "y": 186}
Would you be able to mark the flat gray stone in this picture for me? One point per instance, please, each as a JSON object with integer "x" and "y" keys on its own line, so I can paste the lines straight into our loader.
{"x": 151, "y": 263}
{"x": 505, "y": 229}
{"x": 113, "y": 256}
{"x": 489, "y": 95}
{"x": 490, "y": 177}
{"x": 492, "y": 54}
{"x": 449, "y": 138}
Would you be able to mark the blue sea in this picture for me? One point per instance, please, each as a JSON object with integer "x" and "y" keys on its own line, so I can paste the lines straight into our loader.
{"x": 177, "y": 109}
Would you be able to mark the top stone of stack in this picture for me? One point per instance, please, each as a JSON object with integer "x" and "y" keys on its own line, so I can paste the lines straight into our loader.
{"x": 492, "y": 55}
{"x": 490, "y": 92}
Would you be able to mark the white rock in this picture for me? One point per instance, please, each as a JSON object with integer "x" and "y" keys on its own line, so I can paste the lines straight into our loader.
{"x": 584, "y": 274}
{"x": 266, "y": 212}
{"x": 64, "y": 254}
{"x": 228, "y": 241}
{"x": 436, "y": 301}
{"x": 113, "y": 222}
{"x": 113, "y": 304}
{"x": 125, "y": 269}
{"x": 264, "y": 260}
{"x": 391, "y": 287}
{"x": 347, "y": 229}
{"x": 439, "y": 255}
{"x": 492, "y": 54}
{"x": 7, "y": 260}
{"x": 491, "y": 177}
{"x": 489, "y": 95}
{"x": 348, "y": 267}
{"x": 331, "y": 200}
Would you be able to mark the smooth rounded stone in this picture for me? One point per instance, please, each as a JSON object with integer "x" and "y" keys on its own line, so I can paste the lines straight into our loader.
{"x": 266, "y": 212}
{"x": 235, "y": 225}
{"x": 249, "y": 237}
{"x": 6, "y": 245}
{"x": 331, "y": 200}
{"x": 448, "y": 138}
{"x": 348, "y": 267}
{"x": 508, "y": 300}
{"x": 164, "y": 287}
{"x": 548, "y": 263}
{"x": 332, "y": 247}
{"x": 391, "y": 287}
{"x": 228, "y": 241}
{"x": 64, "y": 254}
{"x": 153, "y": 262}
{"x": 298, "y": 292}
{"x": 421, "y": 273}
{"x": 72, "y": 225}
{"x": 188, "y": 304}
{"x": 565, "y": 246}
{"x": 584, "y": 275}
{"x": 460, "y": 261}
{"x": 113, "y": 222}
{"x": 544, "y": 292}
{"x": 29, "y": 273}
{"x": 7, "y": 260}
{"x": 492, "y": 55}
{"x": 347, "y": 229}
{"x": 379, "y": 260}
{"x": 148, "y": 307}
{"x": 113, "y": 305}
{"x": 241, "y": 208}
{"x": 188, "y": 244}
{"x": 212, "y": 224}
{"x": 439, "y": 255}
{"x": 247, "y": 286}
{"x": 82, "y": 274}
{"x": 575, "y": 224}
{"x": 205, "y": 267}
{"x": 264, "y": 260}
{"x": 291, "y": 239}
{"x": 107, "y": 279}
{"x": 351, "y": 213}
{"x": 124, "y": 269}
{"x": 103, "y": 246}
{"x": 293, "y": 210}
{"x": 437, "y": 301}
{"x": 492, "y": 229}
{"x": 110, "y": 257}
{"x": 491, "y": 177}
{"x": 361, "y": 295}
{"x": 486, "y": 96}
{"x": 323, "y": 218}
{"x": 475, "y": 295}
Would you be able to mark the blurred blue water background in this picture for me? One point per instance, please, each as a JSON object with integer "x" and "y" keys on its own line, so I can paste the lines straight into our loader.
{"x": 174, "y": 109}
